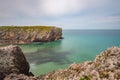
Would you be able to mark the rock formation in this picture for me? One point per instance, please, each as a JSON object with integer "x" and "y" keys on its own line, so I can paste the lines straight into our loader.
{"x": 106, "y": 66}
{"x": 29, "y": 34}
{"x": 12, "y": 60}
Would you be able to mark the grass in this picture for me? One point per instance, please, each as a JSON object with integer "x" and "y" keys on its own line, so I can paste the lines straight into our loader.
{"x": 27, "y": 28}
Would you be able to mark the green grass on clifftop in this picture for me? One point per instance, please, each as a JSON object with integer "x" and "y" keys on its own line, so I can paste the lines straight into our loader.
{"x": 43, "y": 28}
{"x": 26, "y": 27}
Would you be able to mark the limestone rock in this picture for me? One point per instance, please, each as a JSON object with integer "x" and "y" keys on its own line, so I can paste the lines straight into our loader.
{"x": 20, "y": 77}
{"x": 12, "y": 60}
{"x": 106, "y": 66}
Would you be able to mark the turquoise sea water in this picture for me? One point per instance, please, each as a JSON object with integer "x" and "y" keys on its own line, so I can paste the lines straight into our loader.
{"x": 77, "y": 46}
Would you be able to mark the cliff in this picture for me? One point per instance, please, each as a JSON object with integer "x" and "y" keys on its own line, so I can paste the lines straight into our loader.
{"x": 29, "y": 34}
{"x": 106, "y": 66}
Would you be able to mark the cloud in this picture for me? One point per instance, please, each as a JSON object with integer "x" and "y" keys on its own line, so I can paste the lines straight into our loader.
{"x": 65, "y": 13}
{"x": 61, "y": 7}
{"x": 45, "y": 7}
{"x": 40, "y": 7}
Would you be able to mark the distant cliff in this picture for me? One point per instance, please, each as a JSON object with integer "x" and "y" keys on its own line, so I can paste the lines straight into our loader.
{"x": 29, "y": 34}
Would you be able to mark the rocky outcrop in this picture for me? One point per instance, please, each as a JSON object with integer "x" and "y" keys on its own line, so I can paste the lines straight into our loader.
{"x": 12, "y": 60}
{"x": 29, "y": 34}
{"x": 106, "y": 66}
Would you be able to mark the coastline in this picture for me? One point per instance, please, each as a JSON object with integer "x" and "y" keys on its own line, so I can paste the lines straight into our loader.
{"x": 105, "y": 66}
{"x": 29, "y": 34}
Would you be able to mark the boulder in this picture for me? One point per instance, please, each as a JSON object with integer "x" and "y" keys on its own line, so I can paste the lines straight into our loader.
{"x": 12, "y": 60}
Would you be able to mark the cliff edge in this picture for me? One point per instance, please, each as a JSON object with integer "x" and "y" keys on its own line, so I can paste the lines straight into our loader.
{"x": 29, "y": 34}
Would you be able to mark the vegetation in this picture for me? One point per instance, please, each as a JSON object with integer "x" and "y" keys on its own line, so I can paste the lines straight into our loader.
{"x": 27, "y": 27}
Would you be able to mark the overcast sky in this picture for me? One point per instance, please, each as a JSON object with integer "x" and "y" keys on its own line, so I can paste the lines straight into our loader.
{"x": 68, "y": 14}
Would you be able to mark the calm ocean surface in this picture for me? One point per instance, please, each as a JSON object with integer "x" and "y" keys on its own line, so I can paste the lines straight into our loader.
{"x": 77, "y": 46}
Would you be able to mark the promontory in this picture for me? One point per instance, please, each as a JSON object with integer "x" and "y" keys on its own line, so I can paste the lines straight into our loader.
{"x": 29, "y": 34}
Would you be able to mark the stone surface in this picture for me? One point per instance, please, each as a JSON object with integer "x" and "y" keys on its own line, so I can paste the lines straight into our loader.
{"x": 12, "y": 60}
{"x": 29, "y": 34}
{"x": 20, "y": 77}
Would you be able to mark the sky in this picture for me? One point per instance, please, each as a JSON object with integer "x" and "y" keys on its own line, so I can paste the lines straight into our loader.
{"x": 67, "y": 14}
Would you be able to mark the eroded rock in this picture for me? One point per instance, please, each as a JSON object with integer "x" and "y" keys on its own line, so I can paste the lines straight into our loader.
{"x": 106, "y": 66}
{"x": 12, "y": 60}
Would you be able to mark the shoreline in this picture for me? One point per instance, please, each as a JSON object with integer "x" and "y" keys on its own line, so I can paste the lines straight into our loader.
{"x": 99, "y": 69}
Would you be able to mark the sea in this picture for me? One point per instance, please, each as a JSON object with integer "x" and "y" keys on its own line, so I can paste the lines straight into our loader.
{"x": 76, "y": 47}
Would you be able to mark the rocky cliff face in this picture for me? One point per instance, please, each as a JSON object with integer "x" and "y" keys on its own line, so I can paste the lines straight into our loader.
{"x": 106, "y": 66}
{"x": 26, "y": 34}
